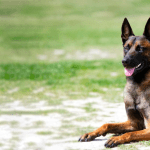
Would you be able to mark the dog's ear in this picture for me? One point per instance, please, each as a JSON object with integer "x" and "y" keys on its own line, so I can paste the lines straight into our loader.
{"x": 147, "y": 29}
{"x": 126, "y": 31}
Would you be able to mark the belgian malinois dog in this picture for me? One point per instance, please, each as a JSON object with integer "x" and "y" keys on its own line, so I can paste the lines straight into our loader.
{"x": 136, "y": 64}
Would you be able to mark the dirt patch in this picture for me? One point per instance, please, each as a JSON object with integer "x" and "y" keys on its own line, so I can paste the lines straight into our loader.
{"x": 57, "y": 130}
{"x": 90, "y": 54}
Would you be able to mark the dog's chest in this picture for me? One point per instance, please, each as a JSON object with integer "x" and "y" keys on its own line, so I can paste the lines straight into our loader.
{"x": 139, "y": 99}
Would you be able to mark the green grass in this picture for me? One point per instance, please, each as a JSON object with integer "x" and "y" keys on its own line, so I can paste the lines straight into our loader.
{"x": 13, "y": 124}
{"x": 128, "y": 147}
{"x": 41, "y": 112}
{"x": 59, "y": 71}
{"x": 83, "y": 119}
{"x": 44, "y": 133}
{"x": 28, "y": 28}
{"x": 30, "y": 144}
{"x": 1, "y": 144}
{"x": 61, "y": 79}
{"x": 145, "y": 143}
{"x": 89, "y": 109}
{"x": 69, "y": 130}
{"x": 38, "y": 124}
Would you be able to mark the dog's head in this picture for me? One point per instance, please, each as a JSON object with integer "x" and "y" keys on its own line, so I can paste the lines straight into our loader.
{"x": 136, "y": 49}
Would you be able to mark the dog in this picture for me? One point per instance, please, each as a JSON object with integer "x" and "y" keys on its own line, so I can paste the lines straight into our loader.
{"x": 136, "y": 64}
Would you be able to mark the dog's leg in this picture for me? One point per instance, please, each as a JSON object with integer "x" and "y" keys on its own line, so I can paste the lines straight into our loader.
{"x": 135, "y": 122}
{"x": 143, "y": 135}
{"x": 108, "y": 128}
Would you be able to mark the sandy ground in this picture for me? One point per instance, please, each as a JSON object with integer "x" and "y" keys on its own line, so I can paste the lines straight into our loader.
{"x": 21, "y": 131}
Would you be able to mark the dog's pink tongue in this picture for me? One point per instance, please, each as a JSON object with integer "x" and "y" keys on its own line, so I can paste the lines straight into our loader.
{"x": 128, "y": 72}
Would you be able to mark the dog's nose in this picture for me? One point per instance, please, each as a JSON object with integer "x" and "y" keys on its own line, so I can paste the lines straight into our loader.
{"x": 125, "y": 61}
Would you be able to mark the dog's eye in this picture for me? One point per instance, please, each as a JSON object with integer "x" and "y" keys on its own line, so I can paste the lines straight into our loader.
{"x": 139, "y": 48}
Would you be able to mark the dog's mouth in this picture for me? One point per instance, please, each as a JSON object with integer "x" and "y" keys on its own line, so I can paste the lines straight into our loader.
{"x": 129, "y": 72}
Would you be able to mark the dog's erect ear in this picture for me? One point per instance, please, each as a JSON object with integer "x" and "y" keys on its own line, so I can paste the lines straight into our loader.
{"x": 147, "y": 29}
{"x": 126, "y": 30}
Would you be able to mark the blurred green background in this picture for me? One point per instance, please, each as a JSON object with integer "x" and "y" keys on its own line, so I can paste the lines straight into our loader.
{"x": 64, "y": 45}
{"x": 57, "y": 50}
{"x": 47, "y": 43}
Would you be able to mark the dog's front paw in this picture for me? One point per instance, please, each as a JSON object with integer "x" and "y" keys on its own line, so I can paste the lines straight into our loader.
{"x": 114, "y": 141}
{"x": 87, "y": 137}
